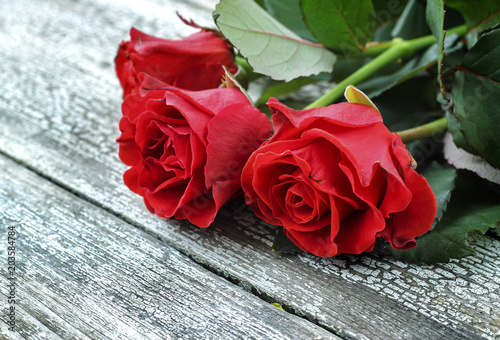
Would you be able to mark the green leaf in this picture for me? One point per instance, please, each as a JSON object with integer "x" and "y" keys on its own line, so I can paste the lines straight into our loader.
{"x": 281, "y": 89}
{"x": 441, "y": 178}
{"x": 461, "y": 159}
{"x": 261, "y": 3}
{"x": 484, "y": 57}
{"x": 411, "y": 24}
{"x": 403, "y": 71}
{"x": 270, "y": 48}
{"x": 387, "y": 11}
{"x": 475, "y": 120}
{"x": 376, "y": 86}
{"x": 453, "y": 57}
{"x": 435, "y": 19}
{"x": 344, "y": 67}
{"x": 384, "y": 33}
{"x": 472, "y": 208}
{"x": 400, "y": 102}
{"x": 250, "y": 73}
{"x": 283, "y": 244}
{"x": 415, "y": 119}
{"x": 476, "y": 109}
{"x": 454, "y": 129}
{"x": 344, "y": 26}
{"x": 434, "y": 14}
{"x": 477, "y": 14}
{"x": 473, "y": 36}
{"x": 289, "y": 13}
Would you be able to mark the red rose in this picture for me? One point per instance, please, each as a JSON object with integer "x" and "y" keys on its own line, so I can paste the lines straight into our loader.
{"x": 187, "y": 149}
{"x": 336, "y": 179}
{"x": 193, "y": 63}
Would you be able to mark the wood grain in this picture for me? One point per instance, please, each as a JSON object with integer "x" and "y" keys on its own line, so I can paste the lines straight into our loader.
{"x": 59, "y": 112}
{"x": 85, "y": 274}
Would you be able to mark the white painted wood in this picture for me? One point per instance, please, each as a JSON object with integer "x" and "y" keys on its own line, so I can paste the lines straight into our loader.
{"x": 82, "y": 273}
{"x": 59, "y": 113}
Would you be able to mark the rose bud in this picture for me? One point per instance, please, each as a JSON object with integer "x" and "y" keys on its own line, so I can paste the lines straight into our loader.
{"x": 336, "y": 179}
{"x": 193, "y": 63}
{"x": 186, "y": 149}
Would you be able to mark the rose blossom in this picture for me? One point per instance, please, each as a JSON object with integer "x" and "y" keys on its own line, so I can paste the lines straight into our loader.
{"x": 336, "y": 179}
{"x": 187, "y": 148}
{"x": 193, "y": 63}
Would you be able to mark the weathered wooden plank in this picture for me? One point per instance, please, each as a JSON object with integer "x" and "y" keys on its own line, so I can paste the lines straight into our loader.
{"x": 59, "y": 113}
{"x": 82, "y": 273}
{"x": 33, "y": 328}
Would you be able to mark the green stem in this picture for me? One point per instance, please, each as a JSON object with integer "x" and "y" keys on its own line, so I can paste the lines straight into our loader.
{"x": 423, "y": 131}
{"x": 397, "y": 49}
{"x": 394, "y": 52}
{"x": 376, "y": 48}
{"x": 243, "y": 63}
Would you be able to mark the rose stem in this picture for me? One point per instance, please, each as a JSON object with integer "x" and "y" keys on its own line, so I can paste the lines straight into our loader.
{"x": 423, "y": 131}
{"x": 399, "y": 48}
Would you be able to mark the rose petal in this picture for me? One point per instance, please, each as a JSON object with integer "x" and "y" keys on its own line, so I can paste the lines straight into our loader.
{"x": 131, "y": 179}
{"x": 165, "y": 202}
{"x": 233, "y": 134}
{"x": 318, "y": 243}
{"x": 200, "y": 77}
{"x": 418, "y": 216}
{"x": 359, "y": 231}
{"x": 129, "y": 152}
{"x": 198, "y": 44}
{"x": 201, "y": 211}
{"x": 170, "y": 61}
{"x": 199, "y": 107}
{"x": 342, "y": 114}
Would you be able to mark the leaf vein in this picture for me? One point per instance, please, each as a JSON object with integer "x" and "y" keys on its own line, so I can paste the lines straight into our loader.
{"x": 349, "y": 30}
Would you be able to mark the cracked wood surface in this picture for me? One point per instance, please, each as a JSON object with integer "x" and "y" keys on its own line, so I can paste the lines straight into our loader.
{"x": 59, "y": 113}
{"x": 85, "y": 274}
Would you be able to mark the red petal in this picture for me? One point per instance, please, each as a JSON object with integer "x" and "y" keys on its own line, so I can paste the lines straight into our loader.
{"x": 359, "y": 231}
{"x": 168, "y": 60}
{"x": 419, "y": 215}
{"x": 318, "y": 243}
{"x": 165, "y": 202}
{"x": 129, "y": 151}
{"x": 233, "y": 134}
{"x": 201, "y": 211}
{"x": 200, "y": 77}
{"x": 131, "y": 179}
{"x": 342, "y": 114}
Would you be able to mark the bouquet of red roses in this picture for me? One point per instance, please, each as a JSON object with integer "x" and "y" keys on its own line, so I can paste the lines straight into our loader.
{"x": 332, "y": 174}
